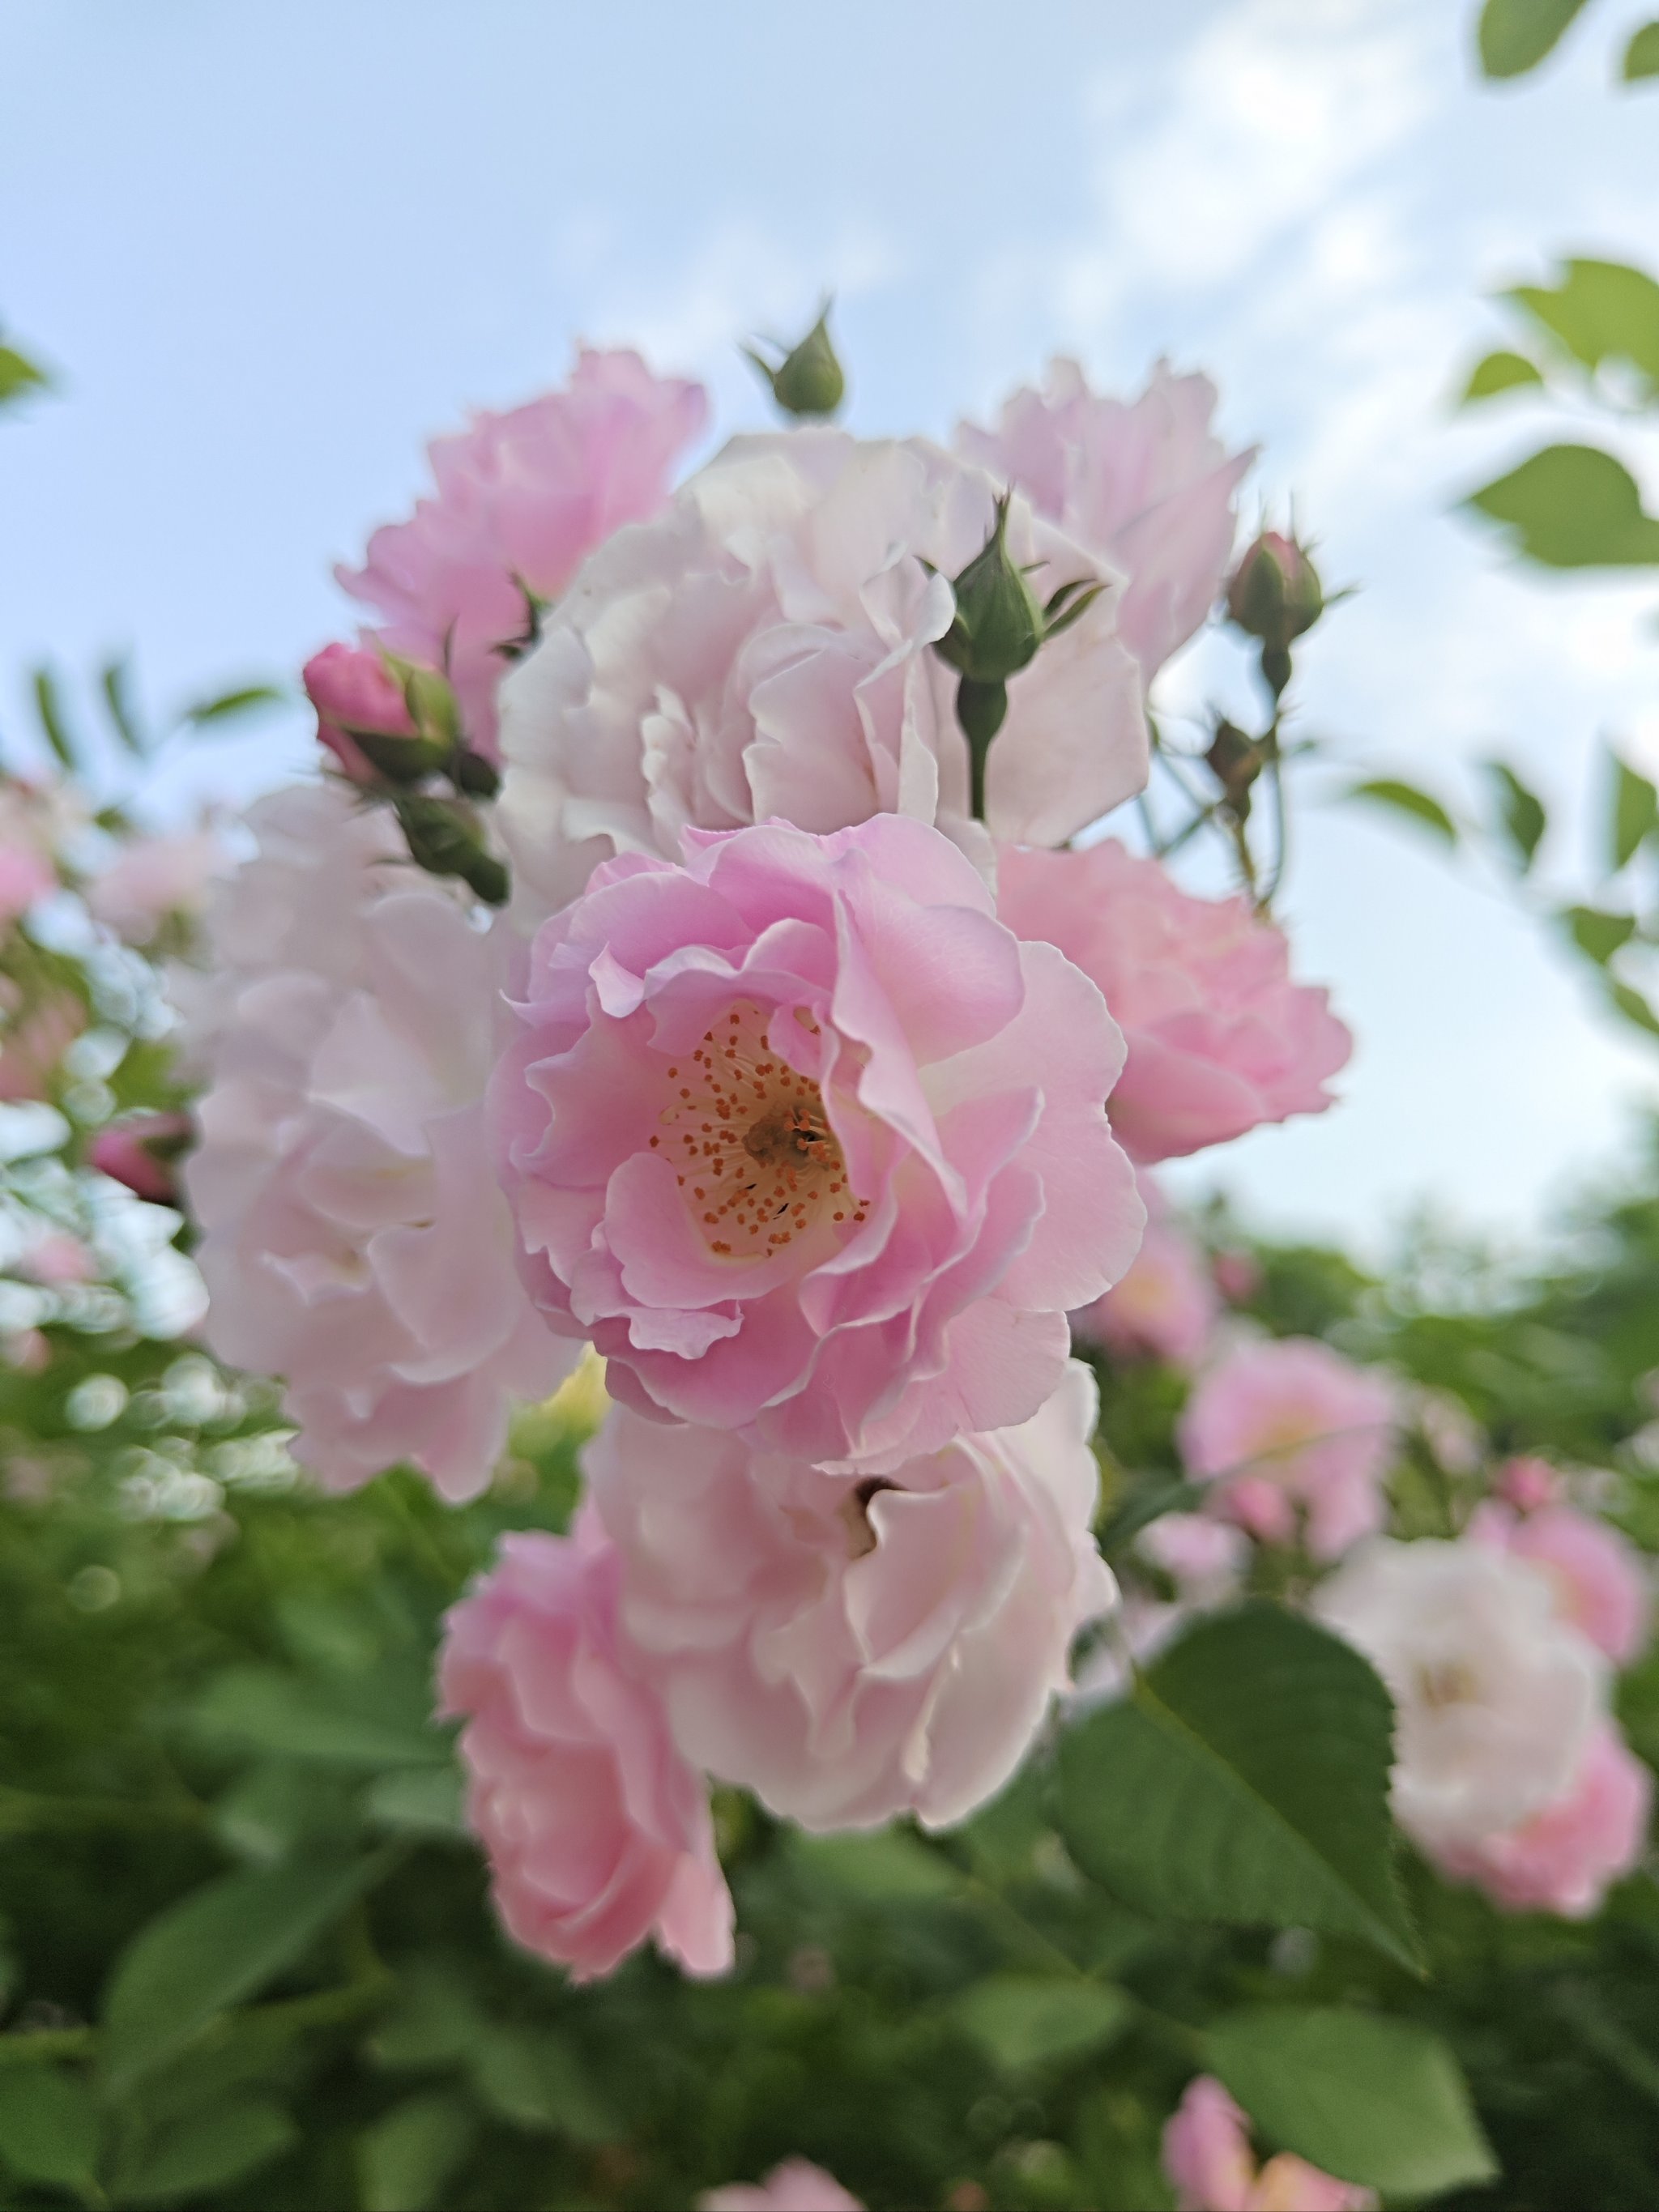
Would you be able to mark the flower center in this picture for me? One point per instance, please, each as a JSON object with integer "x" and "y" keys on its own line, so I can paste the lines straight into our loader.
{"x": 1451, "y": 1682}
{"x": 750, "y": 1144}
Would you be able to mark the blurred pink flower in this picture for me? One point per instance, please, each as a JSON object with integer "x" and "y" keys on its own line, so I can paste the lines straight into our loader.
{"x": 1291, "y": 1428}
{"x": 1144, "y": 484}
{"x": 1220, "y": 1038}
{"x": 1563, "y": 1859}
{"x": 1206, "y": 1559}
{"x": 810, "y": 1145}
{"x": 351, "y": 688}
{"x": 1526, "y": 1483}
{"x": 152, "y": 877}
{"x": 57, "y": 1259}
{"x": 1166, "y": 1305}
{"x": 32, "y": 1044}
{"x": 355, "y": 1240}
{"x": 521, "y": 499}
{"x": 765, "y": 652}
{"x": 853, "y": 1648}
{"x": 598, "y": 1831}
{"x": 26, "y": 875}
{"x": 141, "y": 1152}
{"x": 1599, "y": 1578}
{"x": 1237, "y": 1276}
{"x": 1210, "y": 2165}
{"x": 797, "y": 2186}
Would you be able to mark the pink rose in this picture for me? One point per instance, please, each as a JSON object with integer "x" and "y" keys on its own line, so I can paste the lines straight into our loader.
{"x": 152, "y": 878}
{"x": 1563, "y": 1859}
{"x": 1526, "y": 1483}
{"x": 598, "y": 1831}
{"x": 522, "y": 498}
{"x": 854, "y": 1647}
{"x": 797, "y": 2186}
{"x": 1144, "y": 484}
{"x": 1292, "y": 1429}
{"x": 26, "y": 875}
{"x": 1220, "y": 1040}
{"x": 1210, "y": 2165}
{"x": 810, "y": 1145}
{"x": 1598, "y": 1576}
{"x": 1166, "y": 1305}
{"x": 355, "y": 1240}
{"x": 140, "y": 1153}
{"x": 766, "y": 651}
{"x": 352, "y": 689}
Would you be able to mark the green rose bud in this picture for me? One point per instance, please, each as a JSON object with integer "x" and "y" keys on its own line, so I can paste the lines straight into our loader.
{"x": 1275, "y": 593}
{"x": 809, "y": 380}
{"x": 444, "y": 839}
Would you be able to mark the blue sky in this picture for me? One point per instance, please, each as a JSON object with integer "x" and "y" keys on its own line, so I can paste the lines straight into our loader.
{"x": 272, "y": 248}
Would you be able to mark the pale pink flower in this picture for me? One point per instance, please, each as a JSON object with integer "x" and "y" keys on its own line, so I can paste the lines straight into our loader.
{"x": 1220, "y": 1040}
{"x": 765, "y": 651}
{"x": 356, "y": 1241}
{"x": 1292, "y": 1434}
{"x": 1526, "y": 1483}
{"x": 1495, "y": 1697}
{"x": 521, "y": 499}
{"x": 1144, "y": 483}
{"x": 57, "y": 1259}
{"x": 1237, "y": 1276}
{"x": 152, "y": 878}
{"x": 1210, "y": 2165}
{"x": 1206, "y": 1559}
{"x": 598, "y": 1831}
{"x": 1563, "y": 1859}
{"x": 797, "y": 2186}
{"x": 1599, "y": 1578}
{"x": 26, "y": 875}
{"x": 352, "y": 689}
{"x": 852, "y": 1647}
{"x": 140, "y": 1153}
{"x": 810, "y": 1145}
{"x": 32, "y": 1043}
{"x": 1166, "y": 1305}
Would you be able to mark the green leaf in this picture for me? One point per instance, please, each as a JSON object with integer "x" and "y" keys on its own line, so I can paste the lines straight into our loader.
{"x": 1380, "y": 2102}
{"x": 211, "y": 2149}
{"x": 112, "y": 677}
{"x": 1515, "y": 35}
{"x": 406, "y": 2159}
{"x": 1635, "y": 812}
{"x": 1021, "y": 2021}
{"x": 423, "y": 1800}
{"x": 1573, "y": 506}
{"x": 1405, "y": 798}
{"x": 434, "y": 2021}
{"x": 1520, "y": 813}
{"x": 345, "y": 1724}
{"x": 49, "y": 713}
{"x": 1642, "y": 55}
{"x": 535, "y": 2078}
{"x": 19, "y": 376}
{"x": 49, "y": 2127}
{"x": 1245, "y": 1780}
{"x": 889, "y": 1867}
{"x": 230, "y": 705}
{"x": 1499, "y": 371}
{"x": 1597, "y": 935}
{"x": 214, "y": 1947}
{"x": 1600, "y": 311}
{"x": 1633, "y": 1006}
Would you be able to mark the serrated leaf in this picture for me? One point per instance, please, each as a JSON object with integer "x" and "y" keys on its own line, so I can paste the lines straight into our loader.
{"x": 334, "y": 1724}
{"x": 1633, "y": 1006}
{"x": 1499, "y": 371}
{"x": 1021, "y": 2020}
{"x": 1520, "y": 813}
{"x": 49, "y": 2126}
{"x": 228, "y": 705}
{"x": 406, "y": 2159}
{"x": 211, "y": 1949}
{"x": 1573, "y": 506}
{"x": 210, "y": 2150}
{"x": 1599, "y": 311}
{"x": 1245, "y": 1780}
{"x": 1379, "y": 2102}
{"x": 1405, "y": 798}
{"x": 1597, "y": 935}
{"x": 1635, "y": 812}
{"x": 1515, "y": 35}
{"x": 19, "y": 376}
{"x": 1642, "y": 55}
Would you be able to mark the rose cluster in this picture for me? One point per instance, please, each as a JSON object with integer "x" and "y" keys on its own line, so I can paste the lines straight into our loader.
{"x": 803, "y": 1074}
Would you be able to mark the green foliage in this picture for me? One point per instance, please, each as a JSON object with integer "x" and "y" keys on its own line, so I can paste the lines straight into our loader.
{"x": 1513, "y": 36}
{"x": 1521, "y": 815}
{"x": 1635, "y": 813}
{"x": 1599, "y": 312}
{"x": 1500, "y": 372}
{"x": 50, "y": 2127}
{"x": 1573, "y": 506}
{"x": 1598, "y": 935}
{"x": 1405, "y": 798}
{"x": 1375, "y": 2101}
{"x": 1642, "y": 55}
{"x": 19, "y": 376}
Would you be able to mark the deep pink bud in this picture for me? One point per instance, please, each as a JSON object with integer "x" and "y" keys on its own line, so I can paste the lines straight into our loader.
{"x": 352, "y": 689}
{"x": 141, "y": 1152}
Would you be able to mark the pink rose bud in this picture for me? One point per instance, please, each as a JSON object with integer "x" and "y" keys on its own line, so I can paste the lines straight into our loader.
{"x": 1526, "y": 1483}
{"x": 1237, "y": 1276}
{"x": 355, "y": 694}
{"x": 797, "y": 2186}
{"x": 140, "y": 1153}
{"x": 1275, "y": 593}
{"x": 1209, "y": 2163}
{"x": 598, "y": 1831}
